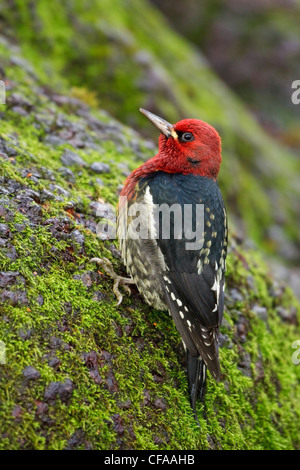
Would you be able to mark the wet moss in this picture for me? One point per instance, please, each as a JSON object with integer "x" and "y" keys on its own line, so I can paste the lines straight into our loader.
{"x": 113, "y": 377}
{"x": 129, "y": 57}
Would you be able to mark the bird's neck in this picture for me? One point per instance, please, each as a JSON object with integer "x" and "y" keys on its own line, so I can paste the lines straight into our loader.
{"x": 170, "y": 164}
{"x": 204, "y": 163}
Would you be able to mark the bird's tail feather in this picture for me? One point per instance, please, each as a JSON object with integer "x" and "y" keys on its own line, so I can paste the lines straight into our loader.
{"x": 196, "y": 372}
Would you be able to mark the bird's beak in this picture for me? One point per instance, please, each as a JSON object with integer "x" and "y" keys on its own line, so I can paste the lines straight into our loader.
{"x": 164, "y": 126}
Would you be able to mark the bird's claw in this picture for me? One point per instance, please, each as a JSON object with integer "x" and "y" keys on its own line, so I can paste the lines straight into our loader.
{"x": 118, "y": 280}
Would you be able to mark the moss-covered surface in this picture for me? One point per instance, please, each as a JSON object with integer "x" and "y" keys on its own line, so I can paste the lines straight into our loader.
{"x": 129, "y": 56}
{"x": 79, "y": 372}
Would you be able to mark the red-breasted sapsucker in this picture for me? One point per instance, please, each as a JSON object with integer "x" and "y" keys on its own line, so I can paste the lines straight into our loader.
{"x": 172, "y": 228}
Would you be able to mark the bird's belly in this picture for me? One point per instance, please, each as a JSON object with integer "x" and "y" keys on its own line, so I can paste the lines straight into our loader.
{"x": 139, "y": 249}
{"x": 140, "y": 258}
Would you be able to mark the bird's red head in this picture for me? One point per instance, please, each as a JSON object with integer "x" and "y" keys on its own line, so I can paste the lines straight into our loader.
{"x": 190, "y": 146}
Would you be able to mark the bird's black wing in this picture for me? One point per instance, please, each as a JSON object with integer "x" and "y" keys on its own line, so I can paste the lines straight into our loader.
{"x": 194, "y": 278}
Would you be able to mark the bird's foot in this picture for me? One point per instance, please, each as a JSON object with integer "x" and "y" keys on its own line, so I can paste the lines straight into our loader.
{"x": 118, "y": 280}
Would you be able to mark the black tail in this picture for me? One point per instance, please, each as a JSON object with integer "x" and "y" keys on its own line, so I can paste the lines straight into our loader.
{"x": 196, "y": 372}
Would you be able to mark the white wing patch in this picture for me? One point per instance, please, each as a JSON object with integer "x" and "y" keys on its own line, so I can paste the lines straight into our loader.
{"x": 217, "y": 282}
{"x": 199, "y": 266}
{"x": 184, "y": 310}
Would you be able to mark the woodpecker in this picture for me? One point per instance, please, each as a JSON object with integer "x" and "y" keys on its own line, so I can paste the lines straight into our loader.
{"x": 171, "y": 270}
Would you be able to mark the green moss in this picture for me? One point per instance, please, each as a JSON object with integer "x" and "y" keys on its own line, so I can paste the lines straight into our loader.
{"x": 129, "y": 388}
{"x": 128, "y": 56}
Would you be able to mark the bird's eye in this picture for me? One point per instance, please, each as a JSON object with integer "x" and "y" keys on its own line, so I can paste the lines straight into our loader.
{"x": 187, "y": 137}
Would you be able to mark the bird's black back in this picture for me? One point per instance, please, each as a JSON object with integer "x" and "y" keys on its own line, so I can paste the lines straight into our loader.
{"x": 194, "y": 278}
